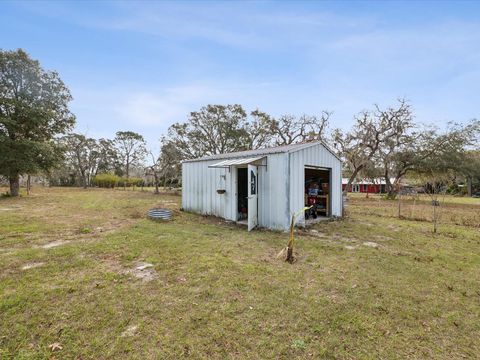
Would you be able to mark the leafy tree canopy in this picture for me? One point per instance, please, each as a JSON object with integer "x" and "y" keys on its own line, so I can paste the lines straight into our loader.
{"x": 33, "y": 110}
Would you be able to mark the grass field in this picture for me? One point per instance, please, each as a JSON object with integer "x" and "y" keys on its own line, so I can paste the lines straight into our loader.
{"x": 369, "y": 286}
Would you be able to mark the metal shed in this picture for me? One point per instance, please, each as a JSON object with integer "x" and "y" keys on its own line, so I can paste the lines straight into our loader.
{"x": 264, "y": 187}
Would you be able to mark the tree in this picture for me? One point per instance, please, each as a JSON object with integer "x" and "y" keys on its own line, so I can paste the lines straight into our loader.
{"x": 153, "y": 169}
{"x": 401, "y": 154}
{"x": 214, "y": 129}
{"x": 472, "y": 172}
{"x": 260, "y": 130}
{"x": 167, "y": 166}
{"x": 372, "y": 129}
{"x": 219, "y": 129}
{"x": 130, "y": 148}
{"x": 410, "y": 150}
{"x": 33, "y": 110}
{"x": 108, "y": 157}
{"x": 83, "y": 154}
{"x": 450, "y": 159}
{"x": 289, "y": 129}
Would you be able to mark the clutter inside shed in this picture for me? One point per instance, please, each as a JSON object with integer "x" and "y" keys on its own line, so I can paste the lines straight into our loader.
{"x": 317, "y": 192}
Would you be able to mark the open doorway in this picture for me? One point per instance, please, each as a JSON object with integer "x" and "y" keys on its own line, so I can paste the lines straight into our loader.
{"x": 242, "y": 194}
{"x": 317, "y": 193}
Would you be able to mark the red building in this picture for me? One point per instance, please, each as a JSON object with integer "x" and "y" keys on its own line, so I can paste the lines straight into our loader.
{"x": 374, "y": 186}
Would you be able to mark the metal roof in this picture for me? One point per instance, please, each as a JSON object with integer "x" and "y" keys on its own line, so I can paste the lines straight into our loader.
{"x": 231, "y": 162}
{"x": 265, "y": 151}
{"x": 376, "y": 181}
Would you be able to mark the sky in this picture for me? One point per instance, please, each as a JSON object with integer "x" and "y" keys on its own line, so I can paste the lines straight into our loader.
{"x": 142, "y": 66}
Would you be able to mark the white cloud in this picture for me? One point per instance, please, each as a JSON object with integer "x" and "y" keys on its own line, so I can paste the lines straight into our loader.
{"x": 162, "y": 107}
{"x": 338, "y": 61}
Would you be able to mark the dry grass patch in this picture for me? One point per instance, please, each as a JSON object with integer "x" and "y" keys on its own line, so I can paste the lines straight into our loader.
{"x": 219, "y": 292}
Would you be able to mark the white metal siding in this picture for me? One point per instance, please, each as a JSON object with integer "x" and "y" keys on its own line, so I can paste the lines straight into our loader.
{"x": 280, "y": 186}
{"x": 273, "y": 193}
{"x": 199, "y": 189}
{"x": 315, "y": 156}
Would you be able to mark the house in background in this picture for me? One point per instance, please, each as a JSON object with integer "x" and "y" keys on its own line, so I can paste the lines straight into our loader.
{"x": 265, "y": 187}
{"x": 372, "y": 186}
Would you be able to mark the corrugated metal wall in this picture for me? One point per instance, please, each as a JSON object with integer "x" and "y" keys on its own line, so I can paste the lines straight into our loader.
{"x": 273, "y": 192}
{"x": 199, "y": 189}
{"x": 280, "y": 186}
{"x": 314, "y": 156}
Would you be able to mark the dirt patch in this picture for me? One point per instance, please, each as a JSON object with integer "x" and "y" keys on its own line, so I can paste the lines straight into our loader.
{"x": 371, "y": 244}
{"x": 129, "y": 331}
{"x": 317, "y": 233}
{"x": 383, "y": 237}
{"x": 339, "y": 237}
{"x": 54, "y": 244}
{"x": 364, "y": 223}
{"x": 393, "y": 227}
{"x": 350, "y": 247}
{"x": 32, "y": 265}
{"x": 112, "y": 226}
{"x": 143, "y": 271}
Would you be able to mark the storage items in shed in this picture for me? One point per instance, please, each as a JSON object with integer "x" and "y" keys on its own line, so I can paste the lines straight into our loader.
{"x": 317, "y": 192}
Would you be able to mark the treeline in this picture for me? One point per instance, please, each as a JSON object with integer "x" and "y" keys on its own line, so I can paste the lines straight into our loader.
{"x": 36, "y": 138}
{"x": 388, "y": 143}
{"x": 85, "y": 159}
{"x": 214, "y": 129}
{"x": 118, "y": 162}
{"x": 383, "y": 142}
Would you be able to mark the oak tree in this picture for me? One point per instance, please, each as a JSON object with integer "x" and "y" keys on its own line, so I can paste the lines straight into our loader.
{"x": 33, "y": 110}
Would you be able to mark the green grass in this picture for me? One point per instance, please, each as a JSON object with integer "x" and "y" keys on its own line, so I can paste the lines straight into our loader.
{"x": 220, "y": 292}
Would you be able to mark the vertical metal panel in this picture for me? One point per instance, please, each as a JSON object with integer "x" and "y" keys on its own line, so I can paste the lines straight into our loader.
{"x": 280, "y": 184}
{"x": 315, "y": 156}
{"x": 199, "y": 189}
{"x": 272, "y": 194}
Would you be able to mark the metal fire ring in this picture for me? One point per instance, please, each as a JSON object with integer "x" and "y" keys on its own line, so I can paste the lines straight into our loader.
{"x": 160, "y": 214}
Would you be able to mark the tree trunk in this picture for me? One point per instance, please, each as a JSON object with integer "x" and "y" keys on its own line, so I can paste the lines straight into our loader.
{"x": 29, "y": 181}
{"x": 399, "y": 205}
{"x": 391, "y": 191}
{"x": 155, "y": 176}
{"x": 350, "y": 180}
{"x": 14, "y": 185}
{"x": 290, "y": 257}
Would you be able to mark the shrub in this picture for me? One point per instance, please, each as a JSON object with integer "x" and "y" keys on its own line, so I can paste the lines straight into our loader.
{"x": 106, "y": 180}
{"x": 133, "y": 181}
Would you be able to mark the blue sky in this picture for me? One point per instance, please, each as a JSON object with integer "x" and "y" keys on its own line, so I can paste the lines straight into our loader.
{"x": 143, "y": 65}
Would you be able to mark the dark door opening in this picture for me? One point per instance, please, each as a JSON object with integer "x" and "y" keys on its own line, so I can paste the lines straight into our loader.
{"x": 317, "y": 193}
{"x": 242, "y": 194}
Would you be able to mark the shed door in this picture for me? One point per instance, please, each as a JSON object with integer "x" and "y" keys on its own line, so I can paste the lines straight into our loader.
{"x": 252, "y": 197}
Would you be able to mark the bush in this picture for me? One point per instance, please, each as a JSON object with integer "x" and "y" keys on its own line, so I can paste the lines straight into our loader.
{"x": 133, "y": 181}
{"x": 106, "y": 180}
